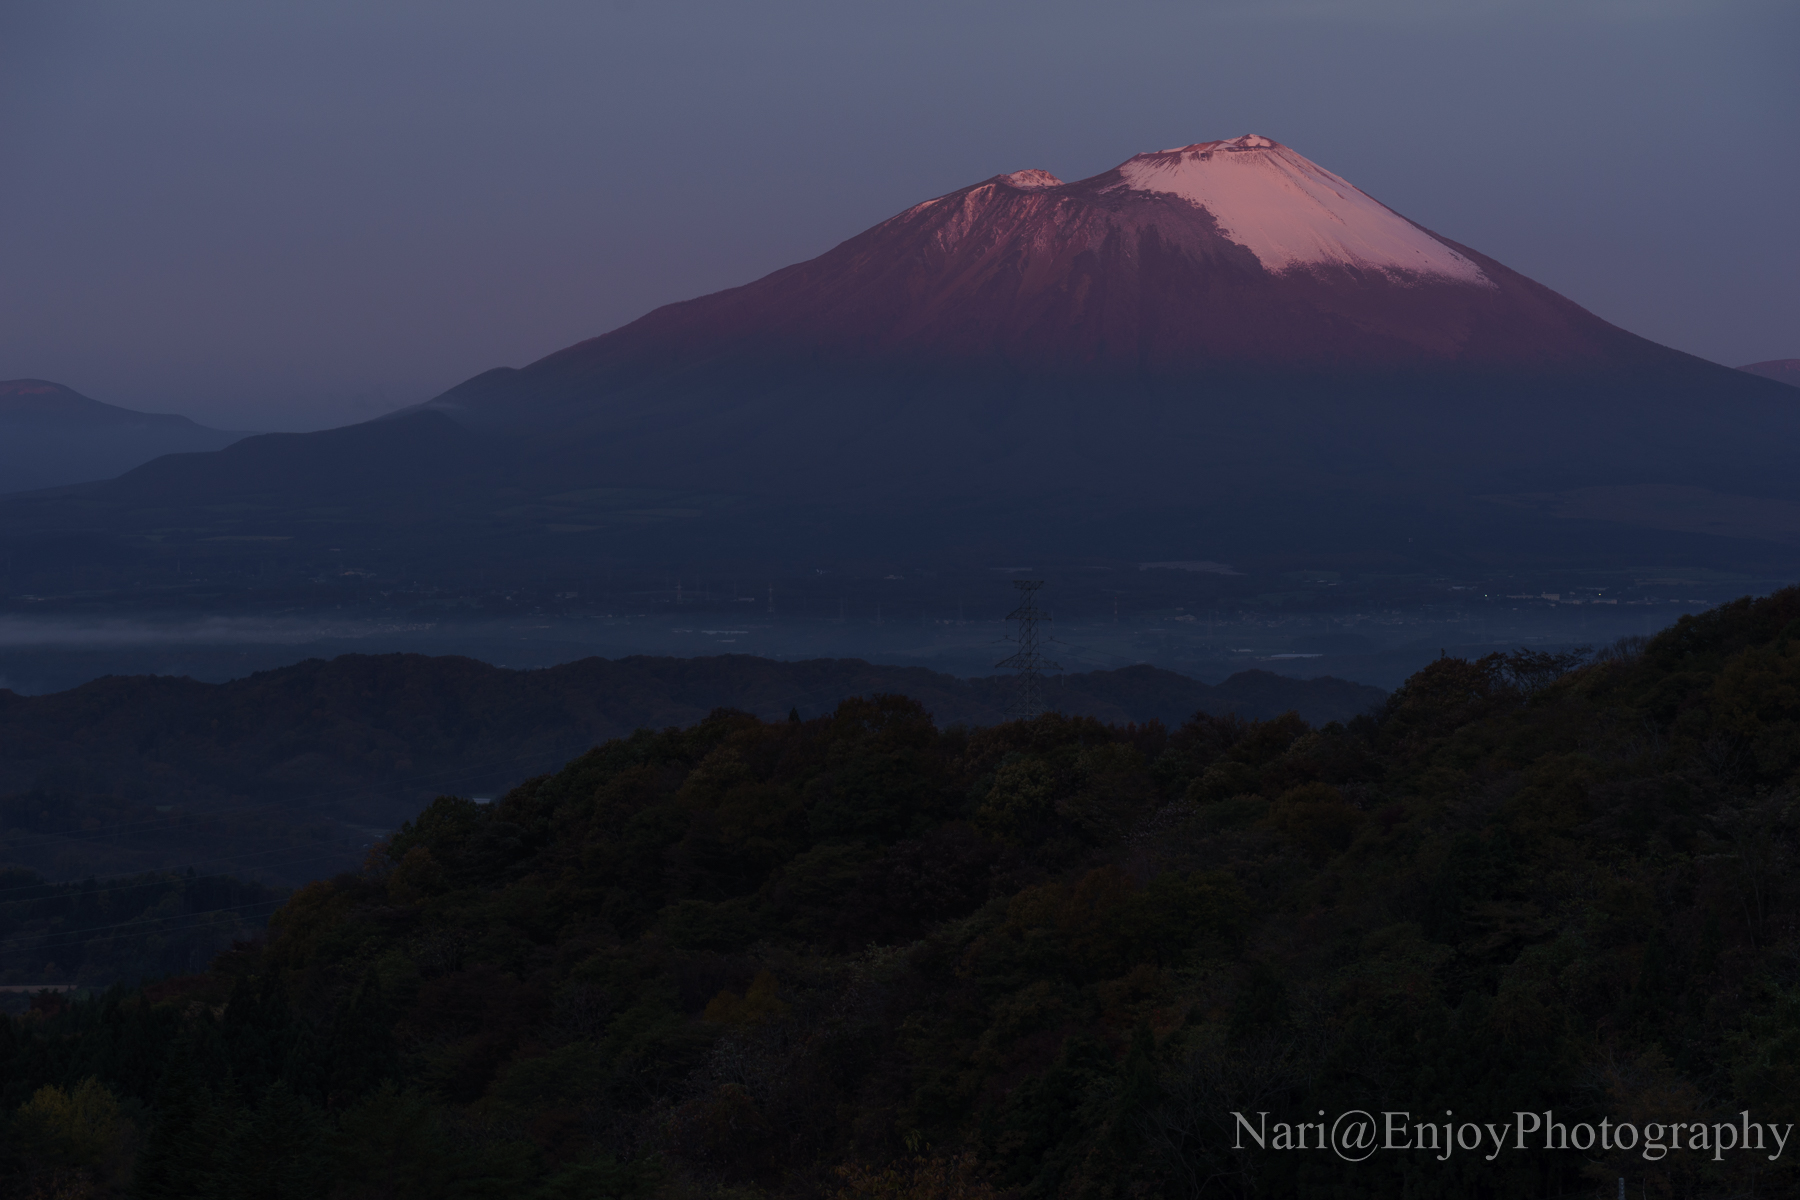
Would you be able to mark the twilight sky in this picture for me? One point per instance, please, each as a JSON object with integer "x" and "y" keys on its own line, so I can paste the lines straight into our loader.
{"x": 294, "y": 216}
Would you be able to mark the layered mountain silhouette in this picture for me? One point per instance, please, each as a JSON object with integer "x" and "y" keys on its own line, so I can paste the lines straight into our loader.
{"x": 52, "y": 435}
{"x": 367, "y": 740}
{"x": 1221, "y": 336}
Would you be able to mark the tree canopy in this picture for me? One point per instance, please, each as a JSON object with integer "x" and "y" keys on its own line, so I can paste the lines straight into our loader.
{"x": 863, "y": 956}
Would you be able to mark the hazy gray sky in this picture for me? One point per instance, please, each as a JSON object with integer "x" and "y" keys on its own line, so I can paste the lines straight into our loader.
{"x": 295, "y": 215}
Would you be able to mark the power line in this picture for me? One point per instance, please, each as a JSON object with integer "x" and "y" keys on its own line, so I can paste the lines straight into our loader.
{"x": 1029, "y": 659}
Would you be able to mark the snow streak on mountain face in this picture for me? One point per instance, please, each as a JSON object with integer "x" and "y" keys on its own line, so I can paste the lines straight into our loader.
{"x": 1291, "y": 212}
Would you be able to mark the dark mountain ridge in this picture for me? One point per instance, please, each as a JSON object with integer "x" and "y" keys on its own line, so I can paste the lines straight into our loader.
{"x": 52, "y": 435}
{"x": 322, "y": 752}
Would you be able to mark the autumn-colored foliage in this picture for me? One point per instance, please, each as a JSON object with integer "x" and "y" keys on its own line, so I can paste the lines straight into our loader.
{"x": 863, "y": 956}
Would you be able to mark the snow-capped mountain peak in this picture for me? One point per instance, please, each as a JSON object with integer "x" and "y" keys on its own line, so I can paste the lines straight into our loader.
{"x": 1292, "y": 213}
{"x": 1237, "y": 254}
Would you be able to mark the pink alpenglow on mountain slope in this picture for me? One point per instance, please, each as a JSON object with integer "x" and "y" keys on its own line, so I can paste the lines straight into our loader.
{"x": 1228, "y": 303}
{"x": 1222, "y": 335}
{"x": 1229, "y": 253}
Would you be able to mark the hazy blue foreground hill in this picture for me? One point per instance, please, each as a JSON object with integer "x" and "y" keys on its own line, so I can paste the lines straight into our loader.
{"x": 287, "y": 774}
{"x": 864, "y": 956}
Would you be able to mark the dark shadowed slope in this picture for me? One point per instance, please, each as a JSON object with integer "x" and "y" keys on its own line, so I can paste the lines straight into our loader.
{"x": 410, "y": 461}
{"x": 51, "y": 435}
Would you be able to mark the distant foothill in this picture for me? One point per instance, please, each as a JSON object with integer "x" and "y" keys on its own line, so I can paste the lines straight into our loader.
{"x": 1781, "y": 370}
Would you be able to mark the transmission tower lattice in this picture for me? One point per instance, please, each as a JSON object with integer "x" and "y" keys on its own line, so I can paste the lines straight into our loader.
{"x": 1029, "y": 661}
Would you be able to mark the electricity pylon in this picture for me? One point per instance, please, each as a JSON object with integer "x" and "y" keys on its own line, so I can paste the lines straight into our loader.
{"x": 1029, "y": 661}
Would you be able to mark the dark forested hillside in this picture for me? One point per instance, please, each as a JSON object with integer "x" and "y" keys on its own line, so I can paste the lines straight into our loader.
{"x": 286, "y": 772}
{"x": 860, "y": 955}
{"x": 135, "y": 928}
